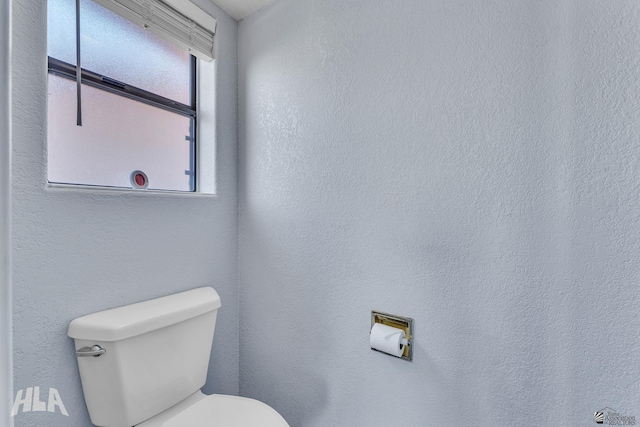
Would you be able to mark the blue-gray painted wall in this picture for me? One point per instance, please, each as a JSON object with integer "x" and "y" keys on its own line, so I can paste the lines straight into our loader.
{"x": 6, "y": 371}
{"x": 470, "y": 164}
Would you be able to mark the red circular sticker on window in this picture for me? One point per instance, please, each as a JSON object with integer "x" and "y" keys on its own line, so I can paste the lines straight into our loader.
{"x": 139, "y": 179}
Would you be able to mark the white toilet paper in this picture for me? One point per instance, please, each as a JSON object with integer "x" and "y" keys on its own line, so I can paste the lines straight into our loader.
{"x": 387, "y": 339}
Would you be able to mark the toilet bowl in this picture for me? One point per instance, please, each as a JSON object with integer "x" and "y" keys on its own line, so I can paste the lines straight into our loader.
{"x": 144, "y": 364}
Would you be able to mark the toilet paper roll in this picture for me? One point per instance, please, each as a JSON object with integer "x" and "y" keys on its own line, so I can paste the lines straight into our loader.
{"x": 387, "y": 339}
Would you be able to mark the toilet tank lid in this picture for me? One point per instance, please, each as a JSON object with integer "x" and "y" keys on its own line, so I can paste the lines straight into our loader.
{"x": 136, "y": 319}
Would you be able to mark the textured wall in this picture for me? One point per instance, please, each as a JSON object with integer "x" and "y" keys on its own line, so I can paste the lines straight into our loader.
{"x": 5, "y": 213}
{"x": 471, "y": 164}
{"x": 77, "y": 252}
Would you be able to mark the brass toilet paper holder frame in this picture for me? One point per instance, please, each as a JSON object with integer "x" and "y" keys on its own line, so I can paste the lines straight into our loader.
{"x": 400, "y": 322}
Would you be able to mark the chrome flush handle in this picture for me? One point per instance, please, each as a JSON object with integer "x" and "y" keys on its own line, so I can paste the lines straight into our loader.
{"x": 94, "y": 351}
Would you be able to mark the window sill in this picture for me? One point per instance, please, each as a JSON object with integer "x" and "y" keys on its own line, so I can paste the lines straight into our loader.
{"x": 55, "y": 187}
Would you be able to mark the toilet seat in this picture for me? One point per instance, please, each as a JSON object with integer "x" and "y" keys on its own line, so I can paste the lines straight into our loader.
{"x": 218, "y": 410}
{"x": 227, "y": 411}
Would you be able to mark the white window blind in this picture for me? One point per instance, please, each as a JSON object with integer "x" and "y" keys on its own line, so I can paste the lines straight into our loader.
{"x": 177, "y": 21}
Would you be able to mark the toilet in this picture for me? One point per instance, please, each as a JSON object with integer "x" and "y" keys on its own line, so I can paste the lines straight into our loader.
{"x": 144, "y": 364}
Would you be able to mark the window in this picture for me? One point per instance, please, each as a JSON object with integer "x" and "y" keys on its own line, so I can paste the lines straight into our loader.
{"x": 136, "y": 109}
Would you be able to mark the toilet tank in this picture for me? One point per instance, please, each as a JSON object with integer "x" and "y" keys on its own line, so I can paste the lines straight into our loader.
{"x": 157, "y": 354}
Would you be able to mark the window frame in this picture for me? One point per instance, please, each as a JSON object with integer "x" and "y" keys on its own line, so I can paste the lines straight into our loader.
{"x": 106, "y": 83}
{"x": 68, "y": 71}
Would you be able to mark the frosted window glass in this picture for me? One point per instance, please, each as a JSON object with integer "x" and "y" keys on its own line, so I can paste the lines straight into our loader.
{"x": 118, "y": 136}
{"x": 117, "y": 48}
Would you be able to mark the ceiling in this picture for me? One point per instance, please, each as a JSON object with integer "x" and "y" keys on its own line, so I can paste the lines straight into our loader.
{"x": 240, "y": 9}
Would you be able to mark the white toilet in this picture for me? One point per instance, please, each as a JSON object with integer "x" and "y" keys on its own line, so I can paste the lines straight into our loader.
{"x": 144, "y": 364}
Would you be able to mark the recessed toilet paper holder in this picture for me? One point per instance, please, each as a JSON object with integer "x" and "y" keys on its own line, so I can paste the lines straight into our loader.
{"x": 395, "y": 321}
